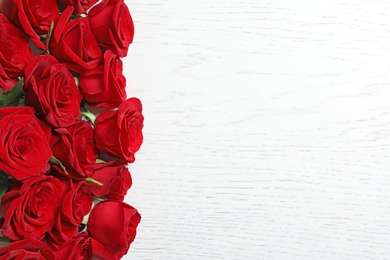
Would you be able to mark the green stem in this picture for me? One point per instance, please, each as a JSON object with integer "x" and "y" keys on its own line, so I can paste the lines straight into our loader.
{"x": 89, "y": 116}
{"x": 89, "y": 179}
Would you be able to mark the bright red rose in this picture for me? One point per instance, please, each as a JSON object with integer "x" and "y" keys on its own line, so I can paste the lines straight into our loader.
{"x": 22, "y": 249}
{"x": 79, "y": 247}
{"x": 51, "y": 90}
{"x": 119, "y": 132}
{"x": 105, "y": 85}
{"x": 76, "y": 202}
{"x": 24, "y": 141}
{"x": 113, "y": 227}
{"x": 74, "y": 148}
{"x": 112, "y": 25}
{"x": 29, "y": 210}
{"x": 115, "y": 177}
{"x": 14, "y": 54}
{"x": 80, "y": 6}
{"x": 32, "y": 16}
{"x": 73, "y": 43}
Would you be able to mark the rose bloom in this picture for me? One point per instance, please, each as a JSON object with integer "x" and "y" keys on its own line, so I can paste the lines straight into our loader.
{"x": 115, "y": 177}
{"x": 74, "y": 148}
{"x": 25, "y": 149}
{"x": 32, "y": 16}
{"x": 80, "y": 6}
{"x": 29, "y": 210}
{"x": 23, "y": 249}
{"x": 73, "y": 44}
{"x": 78, "y": 247}
{"x": 113, "y": 227}
{"x": 105, "y": 85}
{"x": 119, "y": 132}
{"x": 76, "y": 202}
{"x": 51, "y": 90}
{"x": 14, "y": 54}
{"x": 112, "y": 25}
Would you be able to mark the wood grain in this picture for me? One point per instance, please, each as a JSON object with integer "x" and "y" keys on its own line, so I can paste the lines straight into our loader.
{"x": 267, "y": 129}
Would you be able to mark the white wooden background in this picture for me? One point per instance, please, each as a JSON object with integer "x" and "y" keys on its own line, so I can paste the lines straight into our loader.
{"x": 267, "y": 129}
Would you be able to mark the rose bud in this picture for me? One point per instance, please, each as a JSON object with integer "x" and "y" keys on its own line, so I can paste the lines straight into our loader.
{"x": 105, "y": 85}
{"x": 119, "y": 132}
{"x": 80, "y": 6}
{"x": 78, "y": 247}
{"x": 73, "y": 44}
{"x": 51, "y": 90}
{"x": 14, "y": 54}
{"x": 24, "y": 140}
{"x": 76, "y": 202}
{"x": 112, "y": 25}
{"x": 74, "y": 148}
{"x": 115, "y": 177}
{"x": 29, "y": 210}
{"x": 113, "y": 227}
{"x": 32, "y": 16}
{"x": 23, "y": 249}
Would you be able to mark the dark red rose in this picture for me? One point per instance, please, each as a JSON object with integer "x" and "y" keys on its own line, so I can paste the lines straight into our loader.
{"x": 34, "y": 17}
{"x": 79, "y": 247}
{"x": 119, "y": 132}
{"x": 14, "y": 54}
{"x": 112, "y": 25}
{"x": 113, "y": 227}
{"x": 29, "y": 210}
{"x": 23, "y": 249}
{"x": 115, "y": 177}
{"x": 73, "y": 44}
{"x": 76, "y": 202}
{"x": 25, "y": 149}
{"x": 80, "y": 6}
{"x": 105, "y": 85}
{"x": 51, "y": 90}
{"x": 74, "y": 148}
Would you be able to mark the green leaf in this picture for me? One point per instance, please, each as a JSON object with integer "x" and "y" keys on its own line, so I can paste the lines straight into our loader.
{"x": 4, "y": 183}
{"x": 4, "y": 240}
{"x": 11, "y": 98}
{"x": 55, "y": 161}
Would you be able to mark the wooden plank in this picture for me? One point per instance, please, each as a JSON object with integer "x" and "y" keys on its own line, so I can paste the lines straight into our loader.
{"x": 267, "y": 129}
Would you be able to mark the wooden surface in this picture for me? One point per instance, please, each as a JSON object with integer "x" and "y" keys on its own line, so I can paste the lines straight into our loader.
{"x": 267, "y": 129}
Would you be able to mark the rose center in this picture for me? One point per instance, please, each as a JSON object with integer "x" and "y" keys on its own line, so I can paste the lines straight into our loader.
{"x": 38, "y": 206}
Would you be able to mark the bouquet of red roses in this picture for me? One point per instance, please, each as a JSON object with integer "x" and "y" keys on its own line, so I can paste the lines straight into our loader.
{"x": 67, "y": 130}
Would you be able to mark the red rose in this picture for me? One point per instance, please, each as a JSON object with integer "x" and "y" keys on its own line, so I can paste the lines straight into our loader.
{"x": 23, "y": 249}
{"x": 29, "y": 211}
{"x": 74, "y": 148}
{"x": 79, "y": 247}
{"x": 105, "y": 85}
{"x": 24, "y": 141}
{"x": 115, "y": 177}
{"x": 32, "y": 16}
{"x": 113, "y": 227}
{"x": 51, "y": 90}
{"x": 76, "y": 202}
{"x": 73, "y": 44}
{"x": 119, "y": 132}
{"x": 112, "y": 25}
{"x": 80, "y": 6}
{"x": 14, "y": 54}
